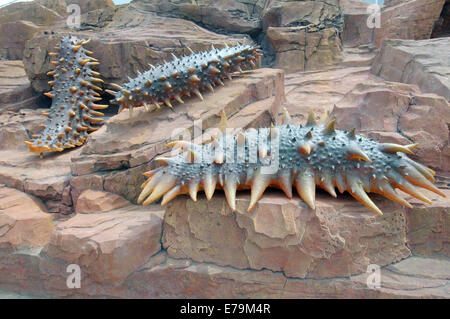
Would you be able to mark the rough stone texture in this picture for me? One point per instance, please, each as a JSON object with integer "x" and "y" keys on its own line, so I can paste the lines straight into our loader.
{"x": 92, "y": 201}
{"x": 300, "y": 49}
{"x": 128, "y": 43}
{"x": 321, "y": 14}
{"x": 284, "y": 235}
{"x": 428, "y": 227}
{"x": 402, "y": 109}
{"x": 412, "y": 19}
{"x": 23, "y": 220}
{"x": 108, "y": 247}
{"x": 15, "y": 89}
{"x": 13, "y": 36}
{"x": 241, "y": 16}
{"x": 29, "y": 11}
{"x": 416, "y": 62}
{"x": 356, "y": 30}
{"x": 125, "y": 144}
{"x": 91, "y": 5}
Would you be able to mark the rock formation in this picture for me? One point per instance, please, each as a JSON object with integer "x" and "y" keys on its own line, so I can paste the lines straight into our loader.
{"x": 79, "y": 206}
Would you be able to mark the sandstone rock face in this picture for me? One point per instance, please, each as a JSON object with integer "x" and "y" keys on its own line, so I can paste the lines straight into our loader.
{"x": 428, "y": 227}
{"x": 321, "y": 14}
{"x": 225, "y": 15}
{"x": 356, "y": 29}
{"x": 89, "y": 5}
{"x": 29, "y": 11}
{"x": 23, "y": 221}
{"x": 91, "y": 201}
{"x": 416, "y": 62}
{"x": 107, "y": 247}
{"x": 412, "y": 19}
{"x": 401, "y": 109}
{"x": 13, "y": 36}
{"x": 15, "y": 89}
{"x": 128, "y": 43}
{"x": 300, "y": 49}
{"x": 284, "y": 235}
{"x": 125, "y": 145}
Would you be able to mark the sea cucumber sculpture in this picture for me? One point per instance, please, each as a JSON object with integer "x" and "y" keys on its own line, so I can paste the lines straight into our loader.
{"x": 184, "y": 76}
{"x": 73, "y": 111}
{"x": 310, "y": 155}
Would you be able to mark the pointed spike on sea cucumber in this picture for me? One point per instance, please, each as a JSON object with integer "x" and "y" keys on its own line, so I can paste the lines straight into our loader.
{"x": 76, "y": 48}
{"x": 230, "y": 191}
{"x": 194, "y": 78}
{"x": 286, "y": 118}
{"x": 223, "y": 122}
{"x": 167, "y": 102}
{"x": 285, "y": 183}
{"x": 191, "y": 156}
{"x": 305, "y": 148}
{"x": 174, "y": 192}
{"x": 399, "y": 182}
{"x": 352, "y": 134}
{"x": 48, "y": 94}
{"x": 166, "y": 183}
{"x": 190, "y": 50}
{"x": 209, "y": 184}
{"x": 306, "y": 188}
{"x": 355, "y": 153}
{"x": 209, "y": 86}
{"x": 311, "y": 121}
{"x": 327, "y": 184}
{"x": 425, "y": 171}
{"x": 357, "y": 191}
{"x": 411, "y": 147}
{"x": 110, "y": 92}
{"x": 259, "y": 184}
{"x": 178, "y": 98}
{"x": 416, "y": 178}
{"x": 193, "y": 189}
{"x": 385, "y": 189}
{"x": 197, "y": 92}
{"x": 324, "y": 117}
{"x": 163, "y": 160}
{"x": 394, "y": 148}
{"x": 329, "y": 129}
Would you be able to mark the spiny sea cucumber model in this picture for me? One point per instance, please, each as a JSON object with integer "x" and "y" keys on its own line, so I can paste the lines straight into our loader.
{"x": 309, "y": 155}
{"x": 73, "y": 112}
{"x": 184, "y": 76}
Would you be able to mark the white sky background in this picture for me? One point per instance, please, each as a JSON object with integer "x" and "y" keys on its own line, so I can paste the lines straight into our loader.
{"x": 2, "y": 2}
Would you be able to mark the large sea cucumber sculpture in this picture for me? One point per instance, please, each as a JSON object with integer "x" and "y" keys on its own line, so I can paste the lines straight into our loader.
{"x": 181, "y": 77}
{"x": 310, "y": 155}
{"x": 73, "y": 113}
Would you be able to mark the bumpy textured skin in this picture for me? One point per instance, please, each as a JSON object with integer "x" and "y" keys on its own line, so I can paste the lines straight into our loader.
{"x": 73, "y": 113}
{"x": 310, "y": 155}
{"x": 184, "y": 76}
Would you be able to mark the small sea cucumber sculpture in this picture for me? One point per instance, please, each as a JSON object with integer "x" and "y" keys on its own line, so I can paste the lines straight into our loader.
{"x": 73, "y": 113}
{"x": 310, "y": 155}
{"x": 181, "y": 77}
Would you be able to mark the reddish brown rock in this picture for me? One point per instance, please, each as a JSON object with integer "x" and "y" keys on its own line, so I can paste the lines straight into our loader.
{"x": 107, "y": 247}
{"x": 284, "y": 235}
{"x": 416, "y": 62}
{"x": 15, "y": 88}
{"x": 23, "y": 220}
{"x": 300, "y": 48}
{"x": 428, "y": 226}
{"x": 29, "y": 11}
{"x": 91, "y": 201}
{"x": 413, "y": 19}
{"x": 13, "y": 36}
